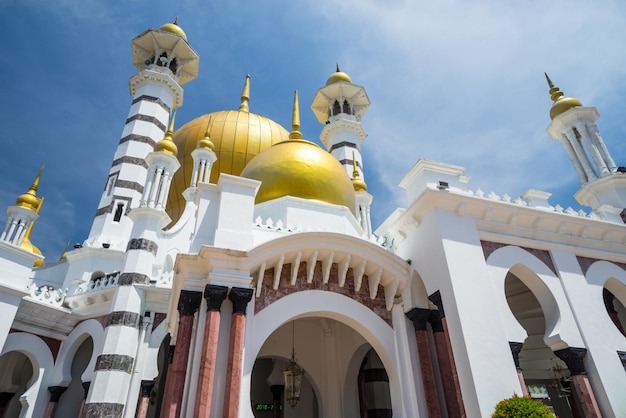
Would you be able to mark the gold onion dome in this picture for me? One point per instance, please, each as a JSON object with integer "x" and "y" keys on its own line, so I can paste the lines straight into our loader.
{"x": 167, "y": 145}
{"x": 28, "y": 246}
{"x": 338, "y": 76}
{"x": 358, "y": 184}
{"x": 561, "y": 103}
{"x": 300, "y": 168}
{"x": 29, "y": 200}
{"x": 174, "y": 28}
{"x": 206, "y": 141}
{"x": 237, "y": 136}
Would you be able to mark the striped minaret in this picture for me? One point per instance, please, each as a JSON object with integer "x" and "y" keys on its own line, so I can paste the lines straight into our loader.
{"x": 110, "y": 393}
{"x": 340, "y": 105}
{"x": 165, "y": 62}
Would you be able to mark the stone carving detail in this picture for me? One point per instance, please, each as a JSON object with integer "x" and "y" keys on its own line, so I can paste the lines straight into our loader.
{"x": 47, "y": 294}
{"x": 214, "y": 296}
{"x": 515, "y": 350}
{"x": 419, "y": 317}
{"x": 574, "y": 359}
{"x": 240, "y": 297}
{"x": 128, "y": 319}
{"x": 143, "y": 244}
{"x": 127, "y": 279}
{"x": 118, "y": 362}
{"x": 189, "y": 302}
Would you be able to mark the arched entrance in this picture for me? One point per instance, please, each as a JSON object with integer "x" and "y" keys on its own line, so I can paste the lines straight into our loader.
{"x": 546, "y": 376}
{"x": 16, "y": 371}
{"x": 344, "y": 376}
{"x": 333, "y": 334}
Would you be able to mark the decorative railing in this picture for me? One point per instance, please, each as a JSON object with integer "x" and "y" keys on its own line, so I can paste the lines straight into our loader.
{"x": 47, "y": 294}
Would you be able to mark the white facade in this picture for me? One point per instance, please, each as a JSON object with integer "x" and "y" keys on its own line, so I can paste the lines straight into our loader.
{"x": 491, "y": 275}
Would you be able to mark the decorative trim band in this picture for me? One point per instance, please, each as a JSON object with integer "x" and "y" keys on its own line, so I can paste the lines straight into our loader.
{"x": 103, "y": 410}
{"x": 109, "y": 208}
{"x": 142, "y": 244}
{"x": 114, "y": 362}
{"x": 127, "y": 279}
{"x": 342, "y": 144}
{"x": 130, "y": 160}
{"x": 138, "y": 138}
{"x": 125, "y": 184}
{"x": 149, "y": 119}
{"x": 124, "y": 318}
{"x": 153, "y": 99}
{"x": 349, "y": 162}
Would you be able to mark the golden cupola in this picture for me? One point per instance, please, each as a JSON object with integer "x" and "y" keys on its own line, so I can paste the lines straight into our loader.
{"x": 561, "y": 103}
{"x": 174, "y": 28}
{"x": 167, "y": 144}
{"x": 237, "y": 137}
{"x": 338, "y": 76}
{"x": 299, "y": 168}
{"x": 29, "y": 200}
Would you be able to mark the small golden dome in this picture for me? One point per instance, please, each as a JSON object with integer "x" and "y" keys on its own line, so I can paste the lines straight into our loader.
{"x": 300, "y": 168}
{"x": 338, "y": 76}
{"x": 174, "y": 28}
{"x": 167, "y": 145}
{"x": 237, "y": 137}
{"x": 28, "y": 246}
{"x": 561, "y": 103}
{"x": 29, "y": 200}
{"x": 358, "y": 184}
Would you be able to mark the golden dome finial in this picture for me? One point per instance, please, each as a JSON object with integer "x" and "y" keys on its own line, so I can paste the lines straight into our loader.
{"x": 560, "y": 103}
{"x": 174, "y": 28}
{"x": 358, "y": 184}
{"x": 338, "y": 76}
{"x": 295, "y": 118}
{"x": 29, "y": 199}
{"x": 206, "y": 141}
{"x": 245, "y": 95}
{"x": 167, "y": 144}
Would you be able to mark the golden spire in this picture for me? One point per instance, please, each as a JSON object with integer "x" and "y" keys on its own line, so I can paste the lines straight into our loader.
{"x": 245, "y": 95}
{"x": 176, "y": 21}
{"x": 358, "y": 184}
{"x": 206, "y": 141}
{"x": 295, "y": 118}
{"x": 64, "y": 255}
{"x": 560, "y": 103}
{"x": 167, "y": 144}
{"x": 29, "y": 199}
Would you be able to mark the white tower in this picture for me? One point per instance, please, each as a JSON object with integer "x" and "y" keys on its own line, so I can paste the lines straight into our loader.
{"x": 340, "y": 105}
{"x": 603, "y": 184}
{"x": 165, "y": 62}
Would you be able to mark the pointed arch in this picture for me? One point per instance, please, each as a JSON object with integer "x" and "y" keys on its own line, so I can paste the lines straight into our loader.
{"x": 63, "y": 368}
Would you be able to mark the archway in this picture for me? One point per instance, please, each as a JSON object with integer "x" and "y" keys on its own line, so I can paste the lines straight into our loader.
{"x": 72, "y": 399}
{"x": 546, "y": 376}
{"x": 334, "y": 357}
{"x": 16, "y": 371}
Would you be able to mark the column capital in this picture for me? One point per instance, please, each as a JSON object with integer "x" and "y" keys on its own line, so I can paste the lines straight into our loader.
{"x": 574, "y": 359}
{"x": 436, "y": 299}
{"x": 515, "y": 350}
{"x": 435, "y": 320}
{"x": 240, "y": 297}
{"x": 189, "y": 302}
{"x": 146, "y": 388}
{"x": 419, "y": 317}
{"x": 214, "y": 296}
{"x": 56, "y": 392}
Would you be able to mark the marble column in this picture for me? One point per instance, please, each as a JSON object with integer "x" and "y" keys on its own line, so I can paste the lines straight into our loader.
{"x": 214, "y": 296}
{"x": 240, "y": 298}
{"x": 144, "y": 398}
{"x": 5, "y": 398}
{"x": 574, "y": 359}
{"x": 445, "y": 359}
{"x": 55, "y": 395}
{"x": 419, "y": 317}
{"x": 188, "y": 304}
{"x": 515, "y": 350}
{"x": 277, "y": 398}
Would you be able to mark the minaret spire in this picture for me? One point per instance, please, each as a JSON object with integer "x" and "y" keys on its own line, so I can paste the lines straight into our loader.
{"x": 295, "y": 118}
{"x": 245, "y": 95}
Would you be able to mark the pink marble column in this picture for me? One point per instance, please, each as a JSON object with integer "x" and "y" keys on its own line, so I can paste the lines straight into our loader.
{"x": 419, "y": 317}
{"x": 188, "y": 304}
{"x": 240, "y": 298}
{"x": 214, "y": 296}
{"x": 515, "y": 350}
{"x": 144, "y": 398}
{"x": 55, "y": 395}
{"x": 445, "y": 359}
{"x": 574, "y": 359}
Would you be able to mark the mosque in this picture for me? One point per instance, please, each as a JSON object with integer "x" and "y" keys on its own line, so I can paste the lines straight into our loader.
{"x": 232, "y": 270}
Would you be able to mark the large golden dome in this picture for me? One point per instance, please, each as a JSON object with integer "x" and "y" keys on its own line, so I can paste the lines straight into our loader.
{"x": 237, "y": 136}
{"x": 300, "y": 168}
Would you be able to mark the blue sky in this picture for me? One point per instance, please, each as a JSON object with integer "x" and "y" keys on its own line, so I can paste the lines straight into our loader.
{"x": 458, "y": 81}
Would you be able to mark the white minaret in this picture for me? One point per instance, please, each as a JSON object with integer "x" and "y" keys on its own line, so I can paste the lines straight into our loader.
{"x": 603, "y": 184}
{"x": 165, "y": 62}
{"x": 340, "y": 105}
